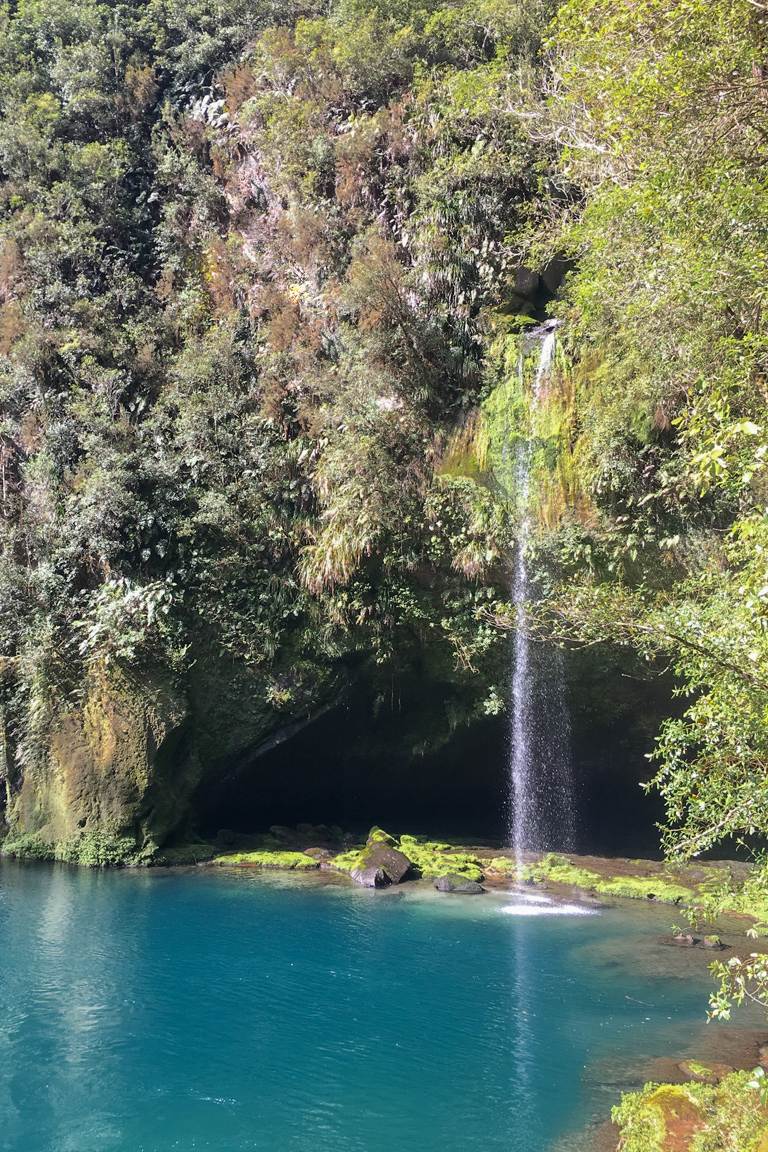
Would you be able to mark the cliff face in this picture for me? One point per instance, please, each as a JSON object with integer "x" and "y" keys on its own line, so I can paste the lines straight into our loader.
{"x": 120, "y": 767}
{"x": 115, "y": 778}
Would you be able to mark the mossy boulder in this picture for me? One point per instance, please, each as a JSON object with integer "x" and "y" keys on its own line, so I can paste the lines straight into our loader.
{"x": 380, "y": 865}
{"x": 710, "y": 1073}
{"x": 379, "y": 836}
{"x": 429, "y": 859}
{"x": 696, "y": 1117}
{"x": 434, "y": 858}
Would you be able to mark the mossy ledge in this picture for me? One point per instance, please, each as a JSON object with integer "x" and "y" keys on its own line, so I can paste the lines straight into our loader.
{"x": 275, "y": 859}
{"x": 430, "y": 858}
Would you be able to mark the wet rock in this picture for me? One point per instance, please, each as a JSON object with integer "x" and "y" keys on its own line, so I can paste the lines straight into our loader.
{"x": 380, "y": 864}
{"x": 526, "y": 282}
{"x": 685, "y": 940}
{"x": 318, "y": 853}
{"x": 713, "y": 942}
{"x": 370, "y": 877}
{"x": 709, "y": 1073}
{"x": 456, "y": 883}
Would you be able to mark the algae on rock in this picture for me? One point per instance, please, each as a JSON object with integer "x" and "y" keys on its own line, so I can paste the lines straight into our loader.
{"x": 113, "y": 779}
{"x": 694, "y": 1117}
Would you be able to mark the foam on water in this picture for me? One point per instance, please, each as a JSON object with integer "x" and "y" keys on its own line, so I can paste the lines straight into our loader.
{"x": 534, "y": 904}
{"x": 549, "y": 910}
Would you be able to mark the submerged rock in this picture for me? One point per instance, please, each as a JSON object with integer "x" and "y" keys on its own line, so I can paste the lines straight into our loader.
{"x": 685, "y": 940}
{"x": 709, "y": 1073}
{"x": 458, "y": 884}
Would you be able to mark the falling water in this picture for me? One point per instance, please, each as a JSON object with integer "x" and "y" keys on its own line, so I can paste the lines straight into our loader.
{"x": 541, "y": 780}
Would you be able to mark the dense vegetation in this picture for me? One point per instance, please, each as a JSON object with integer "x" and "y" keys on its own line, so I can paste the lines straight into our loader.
{"x": 259, "y": 269}
{"x": 248, "y": 257}
{"x": 262, "y": 271}
{"x": 662, "y": 113}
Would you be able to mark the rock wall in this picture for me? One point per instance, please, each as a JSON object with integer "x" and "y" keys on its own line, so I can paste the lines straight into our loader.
{"x": 121, "y": 764}
{"x": 117, "y": 773}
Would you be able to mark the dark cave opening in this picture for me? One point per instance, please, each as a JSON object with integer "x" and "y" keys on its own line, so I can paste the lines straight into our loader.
{"x": 375, "y": 759}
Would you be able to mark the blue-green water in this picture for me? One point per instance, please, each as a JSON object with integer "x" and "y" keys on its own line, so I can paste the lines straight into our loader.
{"x": 148, "y": 1012}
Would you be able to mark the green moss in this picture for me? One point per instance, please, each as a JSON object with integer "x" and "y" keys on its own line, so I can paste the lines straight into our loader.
{"x": 430, "y": 857}
{"x": 279, "y": 860}
{"x": 501, "y": 866}
{"x": 349, "y": 860}
{"x": 379, "y": 836}
{"x": 726, "y": 1117}
{"x": 559, "y": 870}
{"x": 694, "y": 1068}
{"x": 435, "y": 858}
{"x": 641, "y": 887}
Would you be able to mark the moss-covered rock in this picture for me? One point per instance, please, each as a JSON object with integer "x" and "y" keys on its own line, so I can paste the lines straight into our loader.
{"x": 659, "y": 886}
{"x": 430, "y": 858}
{"x": 695, "y": 1117}
{"x": 277, "y": 860}
{"x": 121, "y": 765}
{"x": 379, "y": 836}
{"x": 434, "y": 858}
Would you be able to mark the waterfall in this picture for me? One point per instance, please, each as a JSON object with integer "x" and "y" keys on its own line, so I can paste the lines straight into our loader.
{"x": 541, "y": 778}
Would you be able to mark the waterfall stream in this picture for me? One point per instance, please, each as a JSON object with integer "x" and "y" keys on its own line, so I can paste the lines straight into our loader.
{"x": 541, "y": 777}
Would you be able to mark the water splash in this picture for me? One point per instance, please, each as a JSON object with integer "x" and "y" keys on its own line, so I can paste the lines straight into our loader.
{"x": 541, "y": 778}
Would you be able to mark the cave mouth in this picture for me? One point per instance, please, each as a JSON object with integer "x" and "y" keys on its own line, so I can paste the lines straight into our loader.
{"x": 398, "y": 763}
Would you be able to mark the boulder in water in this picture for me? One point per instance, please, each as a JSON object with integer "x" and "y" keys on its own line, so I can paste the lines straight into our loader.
{"x": 685, "y": 940}
{"x": 457, "y": 883}
{"x": 370, "y": 877}
{"x": 380, "y": 864}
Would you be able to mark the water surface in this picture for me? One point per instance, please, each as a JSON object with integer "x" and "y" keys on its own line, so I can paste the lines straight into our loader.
{"x": 155, "y": 1011}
